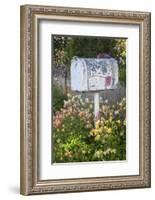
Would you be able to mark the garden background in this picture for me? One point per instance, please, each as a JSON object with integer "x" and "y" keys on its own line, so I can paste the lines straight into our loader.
{"x": 76, "y": 138}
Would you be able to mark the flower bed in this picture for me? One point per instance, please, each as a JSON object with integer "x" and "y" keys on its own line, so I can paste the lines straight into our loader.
{"x": 77, "y": 138}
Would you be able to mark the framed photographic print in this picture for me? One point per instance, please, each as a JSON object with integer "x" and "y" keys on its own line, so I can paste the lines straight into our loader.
{"x": 85, "y": 99}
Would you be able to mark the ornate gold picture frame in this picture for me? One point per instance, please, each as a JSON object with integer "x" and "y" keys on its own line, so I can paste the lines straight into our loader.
{"x": 30, "y": 116}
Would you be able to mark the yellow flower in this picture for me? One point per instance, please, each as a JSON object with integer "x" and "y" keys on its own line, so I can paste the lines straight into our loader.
{"x": 100, "y": 130}
{"x": 118, "y": 121}
{"x": 109, "y": 130}
{"x": 83, "y": 151}
{"x": 63, "y": 130}
{"x": 110, "y": 119}
{"x": 92, "y": 132}
{"x": 97, "y": 137}
{"x": 110, "y": 114}
{"x": 69, "y": 95}
{"x": 97, "y": 124}
{"x": 96, "y": 132}
{"x": 58, "y": 140}
{"x": 103, "y": 108}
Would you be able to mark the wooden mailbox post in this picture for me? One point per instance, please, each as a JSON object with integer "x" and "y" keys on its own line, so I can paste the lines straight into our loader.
{"x": 94, "y": 75}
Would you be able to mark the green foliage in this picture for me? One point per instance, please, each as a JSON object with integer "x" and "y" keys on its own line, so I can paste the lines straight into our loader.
{"x": 71, "y": 141}
{"x": 89, "y": 46}
{"x": 122, "y": 75}
{"x": 58, "y": 98}
{"x": 78, "y": 139}
{"x": 60, "y": 53}
{"x": 119, "y": 52}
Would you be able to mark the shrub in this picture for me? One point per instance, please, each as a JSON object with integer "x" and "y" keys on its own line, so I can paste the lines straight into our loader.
{"x": 58, "y": 98}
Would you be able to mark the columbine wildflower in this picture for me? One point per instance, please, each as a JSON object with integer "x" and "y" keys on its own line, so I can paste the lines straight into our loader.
{"x": 109, "y": 130}
{"x": 97, "y": 137}
{"x": 109, "y": 125}
{"x": 97, "y": 123}
{"x": 90, "y": 106}
{"x": 98, "y": 154}
{"x": 69, "y": 95}
{"x": 118, "y": 121}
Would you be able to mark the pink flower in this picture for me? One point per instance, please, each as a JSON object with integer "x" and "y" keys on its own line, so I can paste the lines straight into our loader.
{"x": 108, "y": 80}
{"x": 97, "y": 116}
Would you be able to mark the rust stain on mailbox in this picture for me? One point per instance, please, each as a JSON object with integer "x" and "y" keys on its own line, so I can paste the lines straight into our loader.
{"x": 93, "y": 74}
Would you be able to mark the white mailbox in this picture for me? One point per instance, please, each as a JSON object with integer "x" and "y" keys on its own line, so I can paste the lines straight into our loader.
{"x": 93, "y": 74}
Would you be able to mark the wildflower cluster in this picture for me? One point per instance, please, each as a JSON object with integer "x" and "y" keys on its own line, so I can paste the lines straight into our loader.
{"x": 77, "y": 138}
{"x": 109, "y": 133}
{"x": 74, "y": 107}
